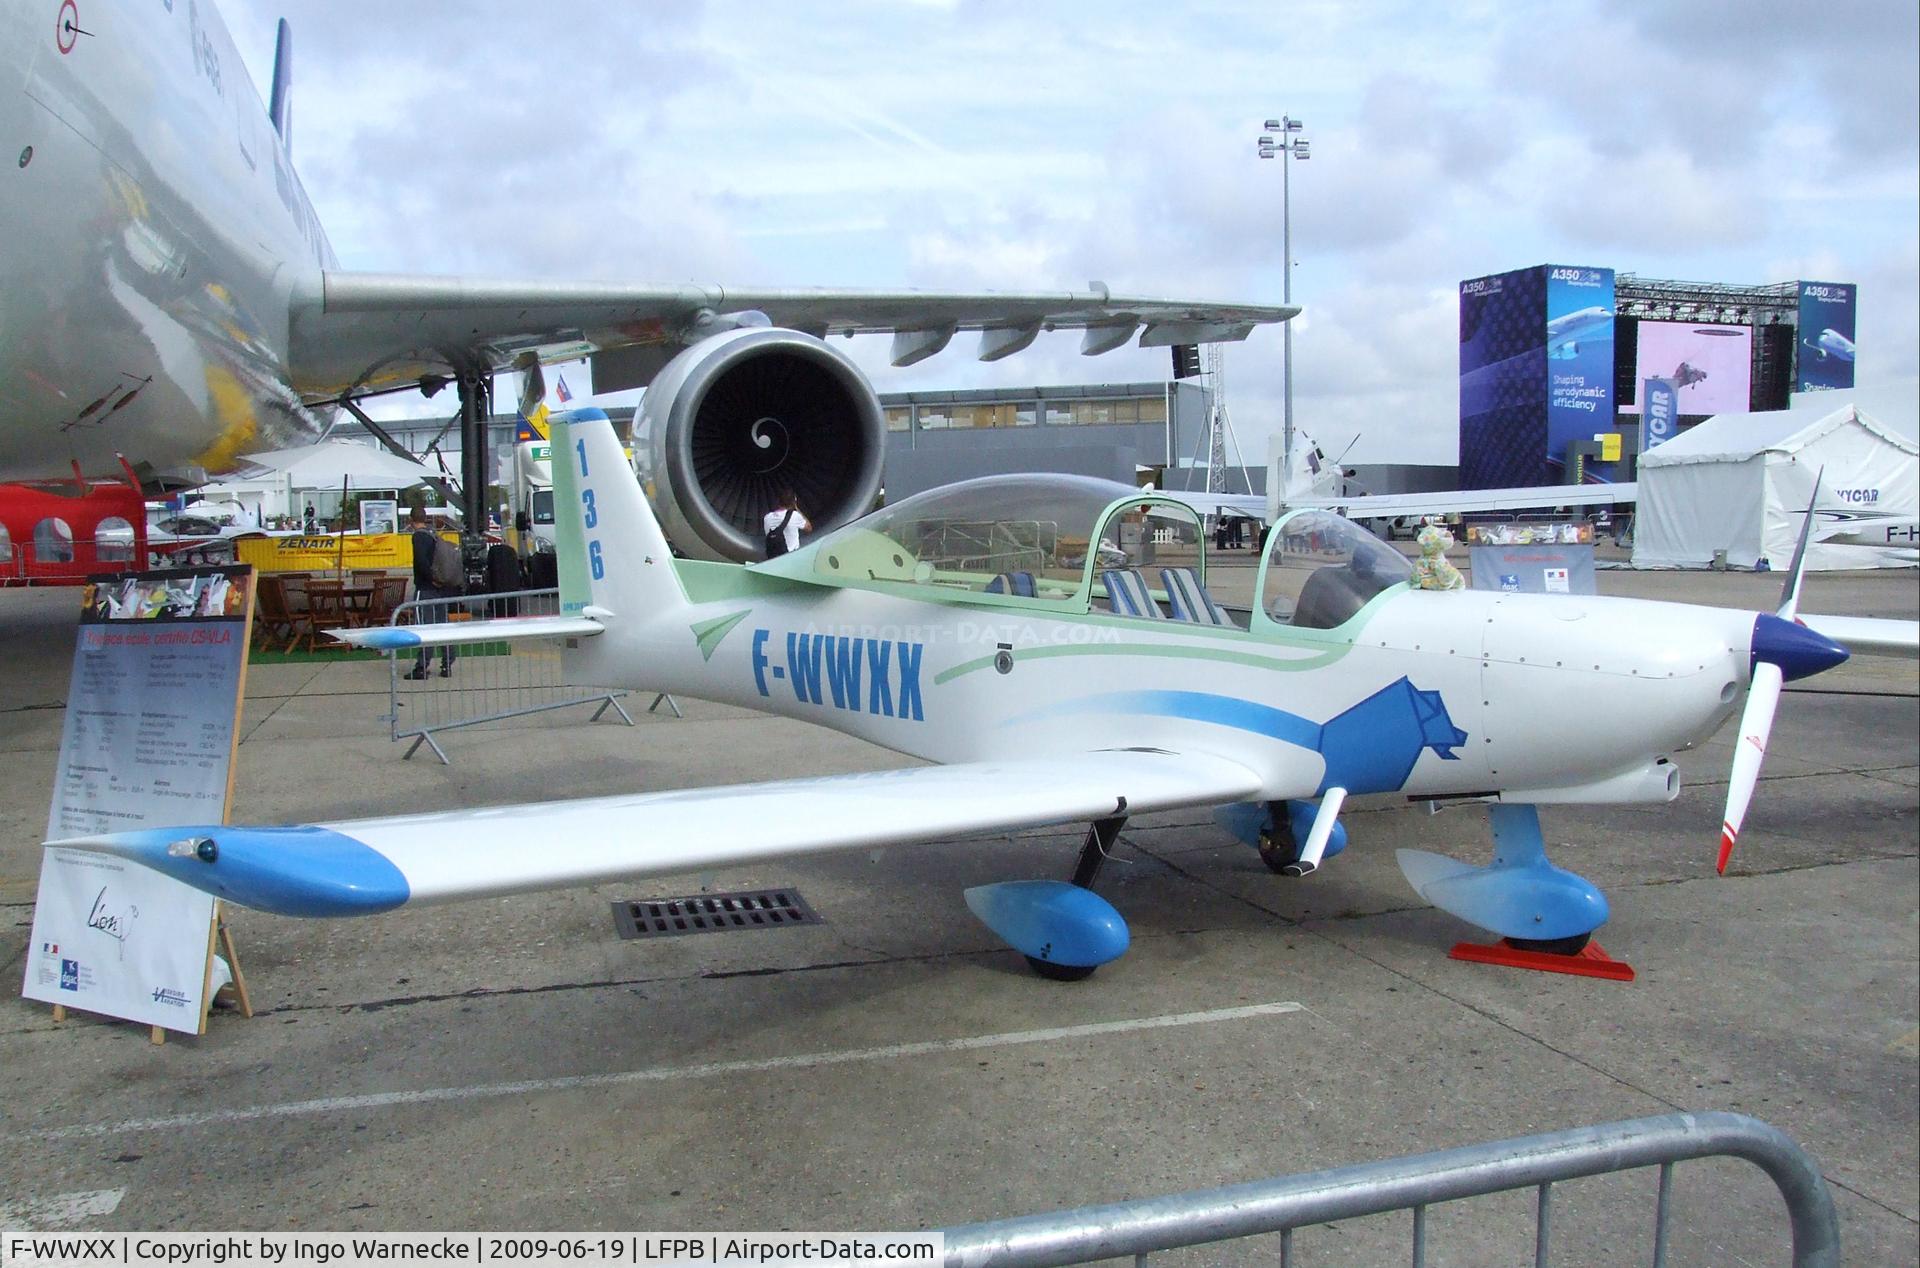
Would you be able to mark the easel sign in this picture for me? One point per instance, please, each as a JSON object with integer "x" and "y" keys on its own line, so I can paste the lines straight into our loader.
{"x": 153, "y": 718}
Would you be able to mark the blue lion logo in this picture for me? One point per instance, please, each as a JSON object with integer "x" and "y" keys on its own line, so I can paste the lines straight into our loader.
{"x": 1372, "y": 746}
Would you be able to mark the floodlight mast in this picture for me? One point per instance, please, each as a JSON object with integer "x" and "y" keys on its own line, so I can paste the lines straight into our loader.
{"x": 1287, "y": 147}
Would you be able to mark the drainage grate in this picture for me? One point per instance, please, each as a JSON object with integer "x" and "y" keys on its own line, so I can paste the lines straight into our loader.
{"x": 712, "y": 913}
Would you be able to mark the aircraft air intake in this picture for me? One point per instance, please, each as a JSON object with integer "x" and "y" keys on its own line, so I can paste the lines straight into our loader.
{"x": 737, "y": 418}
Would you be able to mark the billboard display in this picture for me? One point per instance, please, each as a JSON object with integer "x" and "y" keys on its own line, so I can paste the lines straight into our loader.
{"x": 1579, "y": 342}
{"x": 1503, "y": 386}
{"x": 1825, "y": 355}
{"x": 1536, "y": 373}
{"x": 1710, "y": 366}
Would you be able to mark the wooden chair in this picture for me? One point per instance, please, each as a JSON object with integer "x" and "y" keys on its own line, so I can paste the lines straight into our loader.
{"x": 299, "y": 608}
{"x": 388, "y": 594}
{"x": 274, "y": 619}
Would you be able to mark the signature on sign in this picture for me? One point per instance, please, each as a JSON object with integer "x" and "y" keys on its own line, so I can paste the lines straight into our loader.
{"x": 116, "y": 925}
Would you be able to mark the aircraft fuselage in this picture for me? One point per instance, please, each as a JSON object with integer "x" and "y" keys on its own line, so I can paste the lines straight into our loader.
{"x": 155, "y": 230}
{"x": 1382, "y": 702}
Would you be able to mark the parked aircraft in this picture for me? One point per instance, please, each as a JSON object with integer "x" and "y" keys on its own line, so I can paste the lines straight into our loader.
{"x": 976, "y": 626}
{"x": 171, "y": 296}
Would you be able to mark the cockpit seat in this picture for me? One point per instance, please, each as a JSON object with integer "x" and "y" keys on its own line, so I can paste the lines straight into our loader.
{"x": 1019, "y": 584}
{"x": 1189, "y": 599}
{"x": 1331, "y": 597}
{"x": 1127, "y": 593}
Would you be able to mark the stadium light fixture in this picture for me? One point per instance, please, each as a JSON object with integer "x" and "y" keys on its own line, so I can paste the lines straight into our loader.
{"x": 1286, "y": 146}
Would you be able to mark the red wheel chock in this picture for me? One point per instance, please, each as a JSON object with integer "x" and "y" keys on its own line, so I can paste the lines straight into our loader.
{"x": 1592, "y": 961}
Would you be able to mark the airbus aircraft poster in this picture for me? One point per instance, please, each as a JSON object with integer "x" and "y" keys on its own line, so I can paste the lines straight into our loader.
{"x": 1825, "y": 355}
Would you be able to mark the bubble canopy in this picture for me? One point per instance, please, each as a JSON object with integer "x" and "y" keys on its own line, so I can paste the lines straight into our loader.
{"x": 1026, "y": 536}
{"x": 1322, "y": 569}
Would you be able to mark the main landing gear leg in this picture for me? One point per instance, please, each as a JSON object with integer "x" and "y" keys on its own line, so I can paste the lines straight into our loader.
{"x": 1097, "y": 850}
{"x": 1063, "y": 928}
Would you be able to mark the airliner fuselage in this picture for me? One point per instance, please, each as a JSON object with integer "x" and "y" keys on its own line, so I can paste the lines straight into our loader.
{"x": 154, "y": 232}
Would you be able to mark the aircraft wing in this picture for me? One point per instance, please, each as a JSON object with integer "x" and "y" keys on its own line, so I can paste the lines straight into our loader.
{"x": 1251, "y": 505}
{"x": 1392, "y": 505}
{"x": 1868, "y": 635}
{"x": 363, "y": 866}
{"x": 377, "y": 329}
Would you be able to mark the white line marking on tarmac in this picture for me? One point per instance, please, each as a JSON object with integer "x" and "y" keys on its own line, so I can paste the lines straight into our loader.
{"x": 657, "y": 1074}
{"x": 60, "y": 1209}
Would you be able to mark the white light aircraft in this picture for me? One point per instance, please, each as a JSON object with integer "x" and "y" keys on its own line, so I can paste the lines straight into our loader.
{"x": 979, "y": 627}
{"x": 167, "y": 293}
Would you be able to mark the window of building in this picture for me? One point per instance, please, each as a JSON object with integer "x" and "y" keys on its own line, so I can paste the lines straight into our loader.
{"x": 1059, "y": 413}
{"x": 53, "y": 541}
{"x": 113, "y": 540}
{"x": 1153, "y": 409}
{"x": 983, "y": 415}
{"x": 6, "y": 545}
{"x": 1093, "y": 412}
{"x": 1026, "y": 415}
{"x": 935, "y": 418}
{"x": 899, "y": 417}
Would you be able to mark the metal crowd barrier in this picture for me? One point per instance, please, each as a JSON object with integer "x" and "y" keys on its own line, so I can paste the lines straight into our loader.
{"x": 487, "y": 682}
{"x": 1288, "y": 1202}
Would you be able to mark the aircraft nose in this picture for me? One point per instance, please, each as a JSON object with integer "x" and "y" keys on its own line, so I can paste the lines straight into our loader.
{"x": 1797, "y": 651}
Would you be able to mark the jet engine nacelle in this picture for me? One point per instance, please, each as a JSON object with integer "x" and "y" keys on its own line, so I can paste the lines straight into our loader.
{"x": 736, "y": 418}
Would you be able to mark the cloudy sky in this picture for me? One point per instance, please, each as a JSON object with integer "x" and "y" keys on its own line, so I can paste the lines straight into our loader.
{"x": 1022, "y": 146}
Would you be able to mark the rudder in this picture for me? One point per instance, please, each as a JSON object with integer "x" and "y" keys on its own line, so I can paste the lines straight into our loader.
{"x": 610, "y": 549}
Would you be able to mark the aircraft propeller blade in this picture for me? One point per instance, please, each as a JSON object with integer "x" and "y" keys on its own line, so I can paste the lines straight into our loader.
{"x": 1782, "y": 650}
{"x": 1756, "y": 722}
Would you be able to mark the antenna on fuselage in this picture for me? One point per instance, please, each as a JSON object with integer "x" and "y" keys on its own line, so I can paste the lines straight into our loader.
{"x": 280, "y": 107}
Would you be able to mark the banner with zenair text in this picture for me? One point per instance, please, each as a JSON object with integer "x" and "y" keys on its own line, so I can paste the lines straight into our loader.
{"x": 325, "y": 552}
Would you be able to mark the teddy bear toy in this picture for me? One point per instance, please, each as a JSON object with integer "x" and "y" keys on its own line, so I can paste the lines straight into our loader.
{"x": 1432, "y": 570}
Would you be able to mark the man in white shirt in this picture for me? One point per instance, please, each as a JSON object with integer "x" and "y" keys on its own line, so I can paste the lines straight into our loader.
{"x": 784, "y": 524}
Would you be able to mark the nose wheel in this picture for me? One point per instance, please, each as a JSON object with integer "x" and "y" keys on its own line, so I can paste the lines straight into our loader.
{"x": 1279, "y": 850}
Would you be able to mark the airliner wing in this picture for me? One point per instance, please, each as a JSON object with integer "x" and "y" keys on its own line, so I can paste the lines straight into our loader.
{"x": 373, "y": 328}
{"x": 359, "y": 867}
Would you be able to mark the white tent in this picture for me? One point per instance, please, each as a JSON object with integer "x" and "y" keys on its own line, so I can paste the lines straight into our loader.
{"x": 276, "y": 483}
{"x": 1740, "y": 483}
{"x": 332, "y": 463}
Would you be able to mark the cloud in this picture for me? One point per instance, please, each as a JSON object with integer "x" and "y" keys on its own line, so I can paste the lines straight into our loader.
{"x": 987, "y": 144}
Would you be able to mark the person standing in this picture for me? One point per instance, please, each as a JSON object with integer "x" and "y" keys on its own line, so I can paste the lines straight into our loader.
{"x": 784, "y": 524}
{"x": 432, "y": 579}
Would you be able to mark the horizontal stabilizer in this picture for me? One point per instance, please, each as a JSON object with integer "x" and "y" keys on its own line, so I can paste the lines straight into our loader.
{"x": 505, "y": 629}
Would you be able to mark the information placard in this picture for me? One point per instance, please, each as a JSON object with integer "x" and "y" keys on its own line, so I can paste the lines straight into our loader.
{"x": 152, "y": 719}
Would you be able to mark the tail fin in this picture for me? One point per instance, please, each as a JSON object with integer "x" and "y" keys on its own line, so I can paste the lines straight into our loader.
{"x": 612, "y": 554}
{"x": 280, "y": 109}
